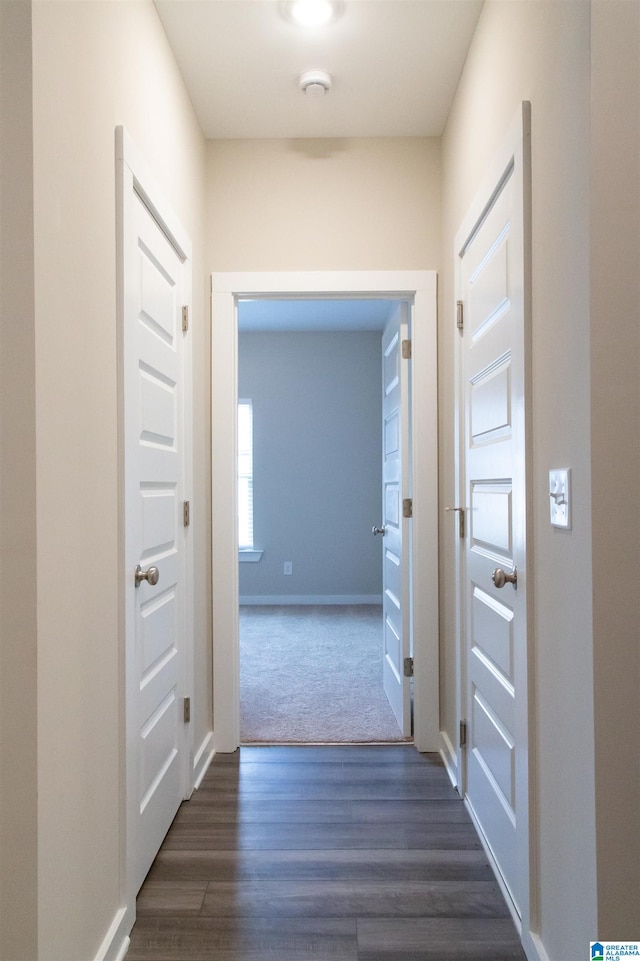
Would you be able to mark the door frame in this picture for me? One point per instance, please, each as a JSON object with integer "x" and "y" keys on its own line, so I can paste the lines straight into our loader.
{"x": 419, "y": 287}
{"x": 516, "y": 148}
{"x": 134, "y": 175}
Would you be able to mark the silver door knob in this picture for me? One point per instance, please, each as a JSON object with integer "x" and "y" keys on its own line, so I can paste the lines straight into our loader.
{"x": 379, "y": 530}
{"x": 151, "y": 576}
{"x": 500, "y": 578}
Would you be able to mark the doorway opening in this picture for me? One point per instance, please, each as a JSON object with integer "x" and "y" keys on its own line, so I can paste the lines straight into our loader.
{"x": 310, "y": 454}
{"x": 313, "y": 675}
{"x": 417, "y": 290}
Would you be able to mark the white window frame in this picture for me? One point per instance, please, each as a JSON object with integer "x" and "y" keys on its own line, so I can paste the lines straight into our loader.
{"x": 245, "y": 475}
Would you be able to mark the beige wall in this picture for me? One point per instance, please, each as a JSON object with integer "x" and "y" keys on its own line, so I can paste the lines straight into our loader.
{"x": 18, "y": 743}
{"x": 96, "y": 65}
{"x": 615, "y": 451}
{"x": 323, "y": 204}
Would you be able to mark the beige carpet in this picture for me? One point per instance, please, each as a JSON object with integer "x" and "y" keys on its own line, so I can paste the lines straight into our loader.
{"x": 313, "y": 674}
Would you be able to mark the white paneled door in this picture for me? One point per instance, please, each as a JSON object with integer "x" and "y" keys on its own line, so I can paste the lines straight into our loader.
{"x": 494, "y": 579}
{"x": 394, "y": 530}
{"x": 155, "y": 281}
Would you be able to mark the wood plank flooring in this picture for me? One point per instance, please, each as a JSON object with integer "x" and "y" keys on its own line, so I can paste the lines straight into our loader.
{"x": 359, "y": 853}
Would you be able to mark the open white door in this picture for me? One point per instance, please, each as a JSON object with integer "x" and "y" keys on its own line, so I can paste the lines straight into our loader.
{"x": 155, "y": 287}
{"x": 394, "y": 530}
{"x": 492, "y": 291}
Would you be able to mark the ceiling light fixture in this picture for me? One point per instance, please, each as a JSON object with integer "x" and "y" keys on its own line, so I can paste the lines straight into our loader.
{"x": 311, "y": 13}
{"x": 315, "y": 83}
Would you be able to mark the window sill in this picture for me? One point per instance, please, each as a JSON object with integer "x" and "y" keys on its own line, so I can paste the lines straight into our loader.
{"x": 246, "y": 556}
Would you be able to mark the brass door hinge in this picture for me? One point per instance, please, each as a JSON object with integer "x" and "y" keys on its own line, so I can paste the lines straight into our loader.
{"x": 460, "y": 315}
{"x": 407, "y": 667}
{"x": 187, "y": 710}
{"x": 186, "y": 514}
{"x": 185, "y": 319}
{"x": 406, "y": 350}
{"x": 407, "y": 507}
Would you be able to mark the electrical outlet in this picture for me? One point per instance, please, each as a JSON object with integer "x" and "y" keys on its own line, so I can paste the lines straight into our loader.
{"x": 288, "y": 567}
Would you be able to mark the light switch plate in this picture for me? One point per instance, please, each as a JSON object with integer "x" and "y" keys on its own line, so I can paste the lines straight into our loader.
{"x": 560, "y": 497}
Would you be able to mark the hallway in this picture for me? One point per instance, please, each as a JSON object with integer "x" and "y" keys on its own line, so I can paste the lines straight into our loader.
{"x": 345, "y": 853}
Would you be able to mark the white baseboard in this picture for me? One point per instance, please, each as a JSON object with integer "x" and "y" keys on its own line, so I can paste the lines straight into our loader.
{"x": 534, "y": 948}
{"x": 450, "y": 760}
{"x": 116, "y": 941}
{"x": 292, "y": 599}
{"x": 122, "y": 953}
{"x": 202, "y": 759}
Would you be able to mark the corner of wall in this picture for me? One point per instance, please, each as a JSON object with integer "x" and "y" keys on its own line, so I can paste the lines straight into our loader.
{"x": 18, "y": 626}
{"x": 615, "y": 427}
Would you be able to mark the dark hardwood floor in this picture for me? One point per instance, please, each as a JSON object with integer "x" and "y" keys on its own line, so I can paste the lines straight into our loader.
{"x": 324, "y": 853}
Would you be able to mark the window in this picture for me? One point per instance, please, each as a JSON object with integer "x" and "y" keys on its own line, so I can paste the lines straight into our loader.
{"x": 245, "y": 475}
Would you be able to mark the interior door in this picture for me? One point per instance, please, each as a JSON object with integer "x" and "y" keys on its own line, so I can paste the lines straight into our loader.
{"x": 492, "y": 290}
{"x": 395, "y": 530}
{"x": 154, "y": 279}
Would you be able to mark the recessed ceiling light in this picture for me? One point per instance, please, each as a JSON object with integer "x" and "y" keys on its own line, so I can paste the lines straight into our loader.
{"x": 311, "y": 13}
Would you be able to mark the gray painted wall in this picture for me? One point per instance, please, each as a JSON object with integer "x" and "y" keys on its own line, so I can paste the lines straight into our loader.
{"x": 317, "y": 462}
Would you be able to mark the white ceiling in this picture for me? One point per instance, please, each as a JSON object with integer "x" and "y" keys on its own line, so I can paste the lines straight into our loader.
{"x": 395, "y": 66}
{"x": 316, "y": 315}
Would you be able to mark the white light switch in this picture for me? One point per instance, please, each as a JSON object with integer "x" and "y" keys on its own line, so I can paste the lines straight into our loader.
{"x": 560, "y": 497}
